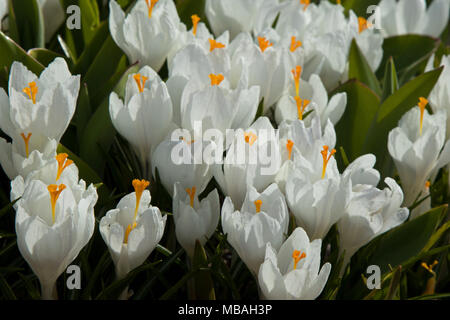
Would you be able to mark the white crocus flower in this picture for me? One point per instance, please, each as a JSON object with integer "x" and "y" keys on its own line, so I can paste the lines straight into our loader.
{"x": 181, "y": 160}
{"x": 38, "y": 109}
{"x": 53, "y": 224}
{"x": 145, "y": 117}
{"x": 240, "y": 15}
{"x": 312, "y": 97}
{"x": 194, "y": 219}
{"x": 370, "y": 213}
{"x": 253, "y": 159}
{"x": 262, "y": 219}
{"x": 413, "y": 17}
{"x": 133, "y": 229}
{"x": 293, "y": 272}
{"x": 148, "y": 33}
{"x": 262, "y": 64}
{"x": 3, "y": 12}
{"x": 417, "y": 147}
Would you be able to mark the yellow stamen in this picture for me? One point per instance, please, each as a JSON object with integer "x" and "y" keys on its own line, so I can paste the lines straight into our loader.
{"x": 429, "y": 267}
{"x": 191, "y": 193}
{"x": 363, "y": 24}
{"x": 264, "y": 43}
{"x": 289, "y": 146}
{"x": 297, "y": 255}
{"x": 422, "y": 104}
{"x": 250, "y": 137}
{"x": 130, "y": 227}
{"x": 306, "y": 3}
{"x": 139, "y": 187}
{"x": 427, "y": 184}
{"x": 63, "y": 163}
{"x": 258, "y": 204}
{"x": 301, "y": 106}
{"x": 295, "y": 44}
{"x": 195, "y": 19}
{"x": 213, "y": 44}
{"x": 26, "y": 139}
{"x": 297, "y": 72}
{"x": 326, "y": 158}
{"x": 55, "y": 191}
{"x": 338, "y": 1}
{"x": 140, "y": 81}
{"x": 31, "y": 91}
{"x": 150, "y": 5}
{"x": 216, "y": 79}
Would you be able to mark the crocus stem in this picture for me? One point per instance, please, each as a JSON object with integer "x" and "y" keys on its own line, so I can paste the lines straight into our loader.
{"x": 48, "y": 291}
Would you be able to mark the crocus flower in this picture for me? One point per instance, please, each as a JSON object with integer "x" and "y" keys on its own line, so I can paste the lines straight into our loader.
{"x": 293, "y": 272}
{"x": 148, "y": 33}
{"x": 133, "y": 229}
{"x": 413, "y": 17}
{"x": 253, "y": 159}
{"x": 194, "y": 219}
{"x": 417, "y": 147}
{"x": 181, "y": 160}
{"x": 240, "y": 15}
{"x": 262, "y": 219}
{"x": 53, "y": 224}
{"x": 370, "y": 213}
{"x": 145, "y": 117}
{"x": 38, "y": 110}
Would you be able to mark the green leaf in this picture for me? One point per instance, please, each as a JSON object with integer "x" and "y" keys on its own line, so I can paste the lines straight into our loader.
{"x": 83, "y": 112}
{"x": 26, "y": 23}
{"x": 390, "y": 82}
{"x": 359, "y": 6}
{"x": 204, "y": 287}
{"x": 8, "y": 293}
{"x": 359, "y": 69}
{"x": 390, "y": 112}
{"x": 362, "y": 107}
{"x": 10, "y": 52}
{"x": 45, "y": 56}
{"x": 409, "y": 52}
{"x": 90, "y": 19}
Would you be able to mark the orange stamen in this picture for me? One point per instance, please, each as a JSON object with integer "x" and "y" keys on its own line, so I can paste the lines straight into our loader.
{"x": 195, "y": 19}
{"x": 430, "y": 267}
{"x": 363, "y": 24}
{"x": 55, "y": 191}
{"x": 295, "y": 44}
{"x": 301, "y": 106}
{"x": 264, "y": 43}
{"x": 216, "y": 79}
{"x": 191, "y": 193}
{"x": 289, "y": 146}
{"x": 26, "y": 139}
{"x": 422, "y": 104}
{"x": 258, "y": 204}
{"x": 150, "y": 5}
{"x": 250, "y": 137}
{"x": 140, "y": 81}
{"x": 297, "y": 255}
{"x": 63, "y": 163}
{"x": 213, "y": 44}
{"x": 31, "y": 91}
{"x": 297, "y": 72}
{"x": 306, "y": 3}
{"x": 326, "y": 158}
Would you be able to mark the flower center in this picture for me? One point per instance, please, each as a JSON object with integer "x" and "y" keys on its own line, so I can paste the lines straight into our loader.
{"x": 301, "y": 106}
{"x": 150, "y": 5}
{"x": 297, "y": 72}
{"x": 306, "y": 3}
{"x": 258, "y": 204}
{"x": 191, "y": 193}
{"x": 213, "y": 44}
{"x": 363, "y": 24}
{"x": 26, "y": 139}
{"x": 264, "y": 43}
{"x": 297, "y": 255}
{"x": 216, "y": 79}
{"x": 139, "y": 187}
{"x": 140, "y": 81}
{"x": 250, "y": 137}
{"x": 55, "y": 191}
{"x": 422, "y": 104}
{"x": 427, "y": 184}
{"x": 295, "y": 44}
{"x": 289, "y": 146}
{"x": 326, "y": 158}
{"x": 31, "y": 91}
{"x": 195, "y": 19}
{"x": 63, "y": 163}
{"x": 429, "y": 267}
